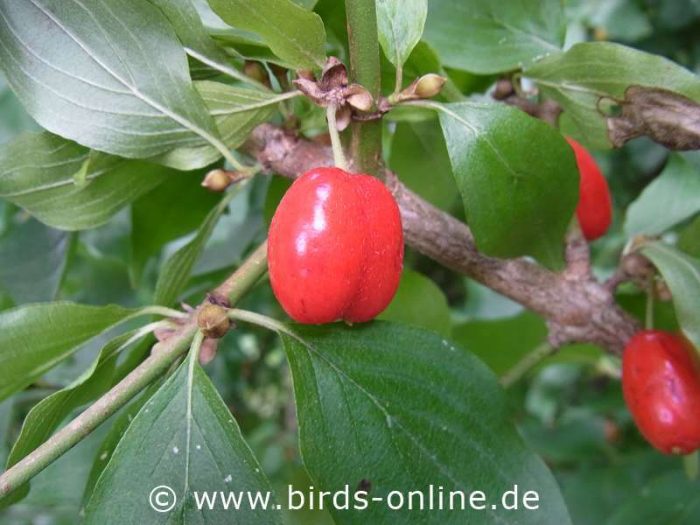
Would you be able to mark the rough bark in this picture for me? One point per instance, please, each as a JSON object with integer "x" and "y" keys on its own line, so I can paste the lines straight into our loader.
{"x": 576, "y": 306}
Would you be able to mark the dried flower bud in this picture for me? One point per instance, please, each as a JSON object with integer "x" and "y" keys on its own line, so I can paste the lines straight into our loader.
{"x": 358, "y": 97}
{"x": 213, "y": 320}
{"x": 217, "y": 180}
{"x": 429, "y": 85}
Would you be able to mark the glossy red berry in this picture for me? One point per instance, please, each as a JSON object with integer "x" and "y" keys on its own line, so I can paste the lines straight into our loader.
{"x": 661, "y": 385}
{"x": 594, "y": 210}
{"x": 335, "y": 247}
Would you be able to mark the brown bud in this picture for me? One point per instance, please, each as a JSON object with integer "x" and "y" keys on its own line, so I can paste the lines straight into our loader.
{"x": 662, "y": 291}
{"x": 429, "y": 85}
{"x": 358, "y": 97}
{"x": 217, "y": 180}
{"x": 213, "y": 320}
{"x": 636, "y": 265}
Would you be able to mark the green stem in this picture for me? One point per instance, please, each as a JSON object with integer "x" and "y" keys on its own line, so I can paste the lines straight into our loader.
{"x": 163, "y": 356}
{"x": 245, "y": 277}
{"x": 260, "y": 320}
{"x": 365, "y": 70}
{"x": 649, "y": 314}
{"x": 336, "y": 145}
{"x": 526, "y": 364}
{"x": 399, "y": 78}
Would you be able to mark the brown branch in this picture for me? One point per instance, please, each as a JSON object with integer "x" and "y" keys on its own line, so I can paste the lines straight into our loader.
{"x": 577, "y": 307}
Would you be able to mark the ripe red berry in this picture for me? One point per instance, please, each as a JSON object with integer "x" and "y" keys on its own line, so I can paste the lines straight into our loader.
{"x": 335, "y": 247}
{"x": 594, "y": 210}
{"x": 661, "y": 385}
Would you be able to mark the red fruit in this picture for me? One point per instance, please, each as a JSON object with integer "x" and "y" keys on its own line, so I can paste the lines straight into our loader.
{"x": 594, "y": 210}
{"x": 335, "y": 248}
{"x": 661, "y": 385}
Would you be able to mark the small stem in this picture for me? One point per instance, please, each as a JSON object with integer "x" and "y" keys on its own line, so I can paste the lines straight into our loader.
{"x": 363, "y": 44}
{"x": 260, "y": 320}
{"x": 245, "y": 277}
{"x": 195, "y": 347}
{"x": 336, "y": 145}
{"x": 649, "y": 314}
{"x": 164, "y": 354}
{"x": 399, "y": 78}
{"x": 526, "y": 364}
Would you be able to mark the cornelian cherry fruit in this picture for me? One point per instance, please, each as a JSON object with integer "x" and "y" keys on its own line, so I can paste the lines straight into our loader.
{"x": 661, "y": 386}
{"x": 594, "y": 210}
{"x": 335, "y": 247}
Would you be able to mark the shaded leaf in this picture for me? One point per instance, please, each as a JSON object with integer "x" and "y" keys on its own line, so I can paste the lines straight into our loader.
{"x": 671, "y": 498}
{"x": 408, "y": 409}
{"x": 37, "y": 172}
{"x": 163, "y": 215}
{"x": 419, "y": 156}
{"x": 419, "y": 302}
{"x": 35, "y": 337}
{"x": 32, "y": 261}
{"x": 177, "y": 269}
{"x": 501, "y": 343}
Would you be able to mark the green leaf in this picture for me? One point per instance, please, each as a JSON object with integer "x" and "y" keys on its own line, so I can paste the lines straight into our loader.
{"x": 408, "y": 409}
{"x": 517, "y": 176}
{"x": 177, "y": 269}
{"x": 198, "y": 44}
{"x": 236, "y": 112}
{"x": 111, "y": 76}
{"x": 203, "y": 451}
{"x": 483, "y": 36}
{"x": 419, "y": 156}
{"x": 294, "y": 34}
{"x": 35, "y": 337}
{"x": 50, "y": 412}
{"x": 419, "y": 302}
{"x": 32, "y": 261}
{"x": 682, "y": 275}
{"x": 593, "y": 73}
{"x": 160, "y": 216}
{"x": 37, "y": 172}
{"x": 671, "y": 198}
{"x": 400, "y": 26}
